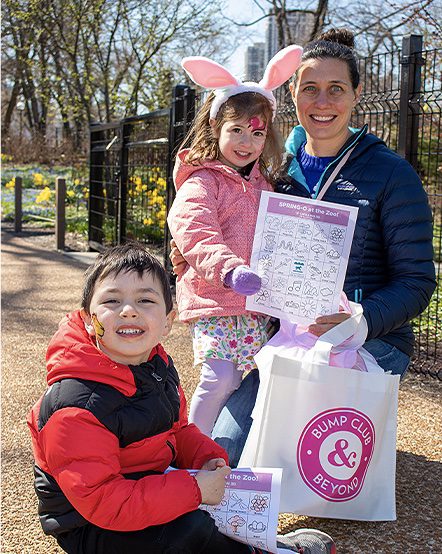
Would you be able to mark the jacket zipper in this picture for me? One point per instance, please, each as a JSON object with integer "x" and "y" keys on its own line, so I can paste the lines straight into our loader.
{"x": 170, "y": 445}
{"x": 358, "y": 295}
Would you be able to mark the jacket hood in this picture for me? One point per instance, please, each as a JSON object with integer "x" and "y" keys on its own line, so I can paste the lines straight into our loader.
{"x": 182, "y": 171}
{"x": 72, "y": 354}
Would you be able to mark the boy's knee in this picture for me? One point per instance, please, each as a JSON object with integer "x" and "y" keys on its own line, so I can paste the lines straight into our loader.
{"x": 189, "y": 533}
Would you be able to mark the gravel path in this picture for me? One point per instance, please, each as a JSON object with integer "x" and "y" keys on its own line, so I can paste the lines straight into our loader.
{"x": 40, "y": 285}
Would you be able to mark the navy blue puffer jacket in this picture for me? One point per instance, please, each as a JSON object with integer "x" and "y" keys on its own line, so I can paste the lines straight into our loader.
{"x": 390, "y": 270}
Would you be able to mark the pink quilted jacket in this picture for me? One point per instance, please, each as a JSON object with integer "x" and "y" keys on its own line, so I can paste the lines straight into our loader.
{"x": 212, "y": 220}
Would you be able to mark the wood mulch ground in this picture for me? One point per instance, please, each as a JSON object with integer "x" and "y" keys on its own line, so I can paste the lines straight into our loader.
{"x": 40, "y": 285}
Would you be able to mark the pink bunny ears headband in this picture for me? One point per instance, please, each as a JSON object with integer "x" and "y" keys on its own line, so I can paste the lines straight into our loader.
{"x": 212, "y": 75}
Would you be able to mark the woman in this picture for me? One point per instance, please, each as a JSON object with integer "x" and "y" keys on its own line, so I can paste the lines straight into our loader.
{"x": 390, "y": 270}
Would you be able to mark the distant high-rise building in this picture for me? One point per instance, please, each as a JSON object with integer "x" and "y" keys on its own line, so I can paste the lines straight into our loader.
{"x": 301, "y": 25}
{"x": 255, "y": 62}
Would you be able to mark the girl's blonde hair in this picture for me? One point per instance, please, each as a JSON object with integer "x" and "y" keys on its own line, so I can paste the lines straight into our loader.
{"x": 204, "y": 144}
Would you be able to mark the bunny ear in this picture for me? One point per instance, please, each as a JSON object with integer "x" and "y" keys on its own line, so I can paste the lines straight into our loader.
{"x": 206, "y": 73}
{"x": 281, "y": 67}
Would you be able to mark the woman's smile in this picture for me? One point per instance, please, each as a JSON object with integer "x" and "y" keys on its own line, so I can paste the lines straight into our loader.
{"x": 323, "y": 118}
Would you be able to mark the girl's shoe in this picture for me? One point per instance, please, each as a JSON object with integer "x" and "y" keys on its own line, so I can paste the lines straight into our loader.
{"x": 307, "y": 541}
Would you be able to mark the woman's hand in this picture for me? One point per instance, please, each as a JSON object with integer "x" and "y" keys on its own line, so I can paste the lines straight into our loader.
{"x": 324, "y": 323}
{"x": 212, "y": 484}
{"x": 179, "y": 264}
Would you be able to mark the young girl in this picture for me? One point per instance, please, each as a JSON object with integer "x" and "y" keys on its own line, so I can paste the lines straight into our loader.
{"x": 233, "y": 152}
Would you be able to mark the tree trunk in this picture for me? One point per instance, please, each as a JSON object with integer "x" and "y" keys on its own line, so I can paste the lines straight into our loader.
{"x": 10, "y": 109}
{"x": 320, "y": 13}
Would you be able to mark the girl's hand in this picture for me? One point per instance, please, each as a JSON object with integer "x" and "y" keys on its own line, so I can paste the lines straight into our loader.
{"x": 243, "y": 280}
{"x": 212, "y": 484}
{"x": 324, "y": 323}
{"x": 214, "y": 463}
{"x": 179, "y": 264}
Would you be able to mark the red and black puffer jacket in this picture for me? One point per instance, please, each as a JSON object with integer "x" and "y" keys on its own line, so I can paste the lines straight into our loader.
{"x": 104, "y": 433}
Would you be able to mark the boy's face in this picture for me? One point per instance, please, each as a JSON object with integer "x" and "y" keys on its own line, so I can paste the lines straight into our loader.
{"x": 128, "y": 316}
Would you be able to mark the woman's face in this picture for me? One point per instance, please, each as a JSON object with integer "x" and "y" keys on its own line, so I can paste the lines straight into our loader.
{"x": 324, "y": 100}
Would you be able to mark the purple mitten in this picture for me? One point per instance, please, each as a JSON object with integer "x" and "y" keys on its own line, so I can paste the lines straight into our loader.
{"x": 243, "y": 280}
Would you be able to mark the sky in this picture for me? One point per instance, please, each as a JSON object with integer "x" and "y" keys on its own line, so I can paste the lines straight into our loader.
{"x": 244, "y": 11}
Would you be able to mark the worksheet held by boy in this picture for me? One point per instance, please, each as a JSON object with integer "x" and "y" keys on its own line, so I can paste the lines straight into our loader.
{"x": 301, "y": 250}
{"x": 249, "y": 509}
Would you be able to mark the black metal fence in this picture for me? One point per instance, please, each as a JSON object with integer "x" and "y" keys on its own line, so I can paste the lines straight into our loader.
{"x": 131, "y": 165}
{"x": 128, "y": 180}
{"x": 131, "y": 162}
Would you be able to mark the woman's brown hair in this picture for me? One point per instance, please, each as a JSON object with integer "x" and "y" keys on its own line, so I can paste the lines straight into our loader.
{"x": 336, "y": 44}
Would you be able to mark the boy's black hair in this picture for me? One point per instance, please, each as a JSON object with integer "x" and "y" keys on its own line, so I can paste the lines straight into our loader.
{"x": 130, "y": 256}
{"x": 336, "y": 44}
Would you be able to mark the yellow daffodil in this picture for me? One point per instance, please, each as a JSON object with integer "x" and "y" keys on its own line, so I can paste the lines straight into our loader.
{"x": 44, "y": 195}
{"x": 39, "y": 180}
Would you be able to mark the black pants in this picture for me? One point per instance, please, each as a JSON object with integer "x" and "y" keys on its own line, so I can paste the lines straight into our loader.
{"x": 192, "y": 533}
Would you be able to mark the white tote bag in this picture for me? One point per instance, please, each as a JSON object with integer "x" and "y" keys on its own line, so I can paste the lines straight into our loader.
{"x": 331, "y": 429}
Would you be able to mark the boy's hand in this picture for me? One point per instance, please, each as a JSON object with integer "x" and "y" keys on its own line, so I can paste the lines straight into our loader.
{"x": 212, "y": 484}
{"x": 243, "y": 280}
{"x": 214, "y": 463}
{"x": 178, "y": 262}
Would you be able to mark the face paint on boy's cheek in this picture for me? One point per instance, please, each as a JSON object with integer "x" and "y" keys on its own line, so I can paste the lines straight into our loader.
{"x": 256, "y": 124}
{"x": 99, "y": 329}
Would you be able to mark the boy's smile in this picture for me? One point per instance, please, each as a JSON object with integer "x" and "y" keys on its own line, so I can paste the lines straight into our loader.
{"x": 128, "y": 316}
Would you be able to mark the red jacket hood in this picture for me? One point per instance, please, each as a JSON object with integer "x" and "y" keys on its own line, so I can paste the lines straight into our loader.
{"x": 72, "y": 354}
{"x": 182, "y": 171}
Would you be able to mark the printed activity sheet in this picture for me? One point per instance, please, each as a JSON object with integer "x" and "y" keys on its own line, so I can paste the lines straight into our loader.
{"x": 249, "y": 509}
{"x": 301, "y": 250}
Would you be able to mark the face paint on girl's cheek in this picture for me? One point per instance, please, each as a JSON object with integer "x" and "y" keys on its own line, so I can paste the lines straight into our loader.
{"x": 99, "y": 329}
{"x": 256, "y": 124}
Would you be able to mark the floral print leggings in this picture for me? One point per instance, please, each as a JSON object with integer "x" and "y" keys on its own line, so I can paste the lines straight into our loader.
{"x": 225, "y": 347}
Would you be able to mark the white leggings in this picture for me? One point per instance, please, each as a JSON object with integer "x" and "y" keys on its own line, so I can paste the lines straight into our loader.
{"x": 219, "y": 379}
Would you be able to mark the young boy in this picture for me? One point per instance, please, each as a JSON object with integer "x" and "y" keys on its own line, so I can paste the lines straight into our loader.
{"x": 114, "y": 419}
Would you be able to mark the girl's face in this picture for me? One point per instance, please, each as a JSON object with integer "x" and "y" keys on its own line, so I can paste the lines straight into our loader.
{"x": 324, "y": 98}
{"x": 241, "y": 141}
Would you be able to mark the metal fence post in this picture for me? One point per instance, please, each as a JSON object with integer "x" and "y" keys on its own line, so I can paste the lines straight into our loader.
{"x": 96, "y": 200}
{"x": 411, "y": 63}
{"x": 18, "y": 213}
{"x": 182, "y": 113}
{"x": 125, "y": 130}
{"x": 60, "y": 212}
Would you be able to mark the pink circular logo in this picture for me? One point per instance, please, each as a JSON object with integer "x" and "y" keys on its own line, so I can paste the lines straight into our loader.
{"x": 334, "y": 452}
